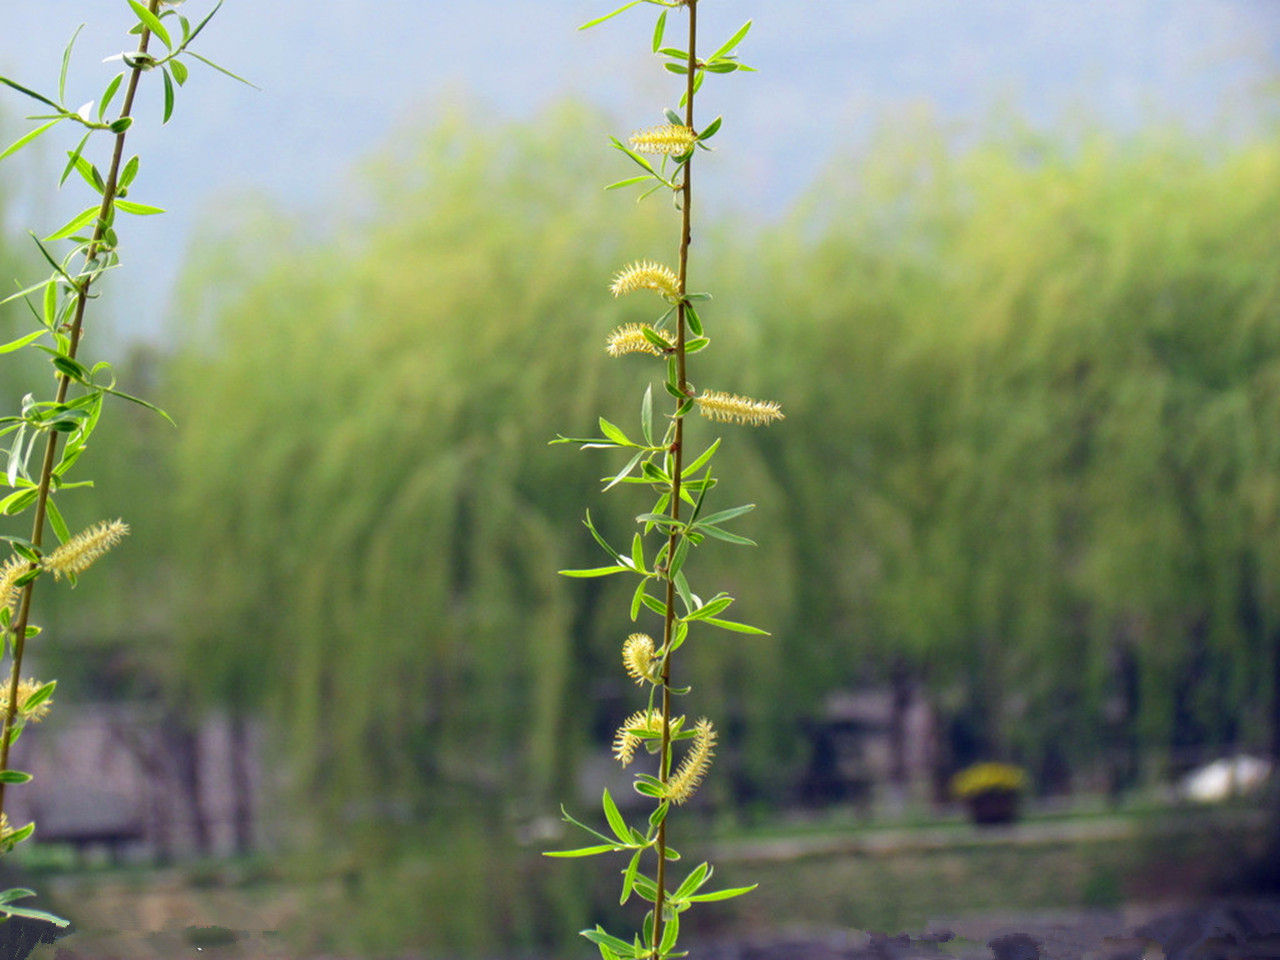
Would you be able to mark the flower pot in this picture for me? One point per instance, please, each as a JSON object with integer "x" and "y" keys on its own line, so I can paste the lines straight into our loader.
{"x": 993, "y": 807}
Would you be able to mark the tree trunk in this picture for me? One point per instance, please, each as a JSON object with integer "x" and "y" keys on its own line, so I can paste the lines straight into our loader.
{"x": 241, "y": 783}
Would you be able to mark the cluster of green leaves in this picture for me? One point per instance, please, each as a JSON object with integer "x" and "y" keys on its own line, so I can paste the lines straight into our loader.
{"x": 656, "y": 461}
{"x": 58, "y": 311}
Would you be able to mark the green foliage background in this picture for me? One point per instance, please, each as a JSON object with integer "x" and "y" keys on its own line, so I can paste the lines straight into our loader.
{"x": 1033, "y": 442}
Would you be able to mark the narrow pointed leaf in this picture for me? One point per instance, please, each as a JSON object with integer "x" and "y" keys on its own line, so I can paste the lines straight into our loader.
{"x": 27, "y": 138}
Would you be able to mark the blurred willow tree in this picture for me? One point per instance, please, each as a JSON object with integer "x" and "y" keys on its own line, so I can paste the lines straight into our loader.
{"x": 1035, "y": 390}
{"x": 1047, "y": 378}
{"x": 369, "y": 508}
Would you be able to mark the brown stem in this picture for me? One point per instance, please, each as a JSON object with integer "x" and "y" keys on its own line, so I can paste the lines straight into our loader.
{"x": 677, "y": 453}
{"x": 19, "y": 627}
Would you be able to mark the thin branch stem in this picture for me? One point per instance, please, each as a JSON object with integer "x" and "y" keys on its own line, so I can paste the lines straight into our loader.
{"x": 19, "y": 626}
{"x": 677, "y": 453}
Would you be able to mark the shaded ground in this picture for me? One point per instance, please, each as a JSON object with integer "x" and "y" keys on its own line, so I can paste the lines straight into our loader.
{"x": 1103, "y": 889}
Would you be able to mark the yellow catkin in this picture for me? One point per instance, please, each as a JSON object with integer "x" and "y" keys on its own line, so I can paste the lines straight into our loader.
{"x": 694, "y": 766}
{"x": 629, "y": 736}
{"x": 637, "y": 657}
{"x": 13, "y": 568}
{"x": 25, "y": 689}
{"x": 77, "y": 554}
{"x": 630, "y": 338}
{"x": 646, "y": 275}
{"x": 729, "y": 408}
{"x": 672, "y": 139}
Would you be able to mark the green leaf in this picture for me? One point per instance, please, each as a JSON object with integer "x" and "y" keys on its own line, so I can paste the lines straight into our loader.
{"x": 30, "y": 93}
{"x": 27, "y": 138}
{"x": 21, "y": 342}
{"x": 71, "y": 368}
{"x": 629, "y": 876}
{"x": 703, "y": 457}
{"x": 15, "y": 893}
{"x": 152, "y": 23}
{"x": 726, "y": 536}
{"x": 108, "y": 94}
{"x": 71, "y": 164}
{"x": 180, "y": 71}
{"x": 128, "y": 173}
{"x": 30, "y": 912}
{"x": 696, "y": 878}
{"x": 721, "y": 894}
{"x": 637, "y": 553}
{"x": 629, "y": 181}
{"x": 138, "y": 209}
{"x": 636, "y": 157}
{"x": 568, "y": 818}
{"x": 140, "y": 402}
{"x": 728, "y": 45}
{"x": 646, "y": 887}
{"x": 168, "y": 96}
{"x": 120, "y": 125}
{"x": 669, "y": 934}
{"x": 39, "y": 696}
{"x": 614, "y": 433}
{"x": 637, "y": 597}
{"x": 56, "y": 521}
{"x": 26, "y": 550}
{"x": 202, "y": 24}
{"x": 657, "y": 606}
{"x": 90, "y": 174}
{"x": 736, "y": 627}
{"x": 595, "y": 534}
{"x": 608, "y": 16}
{"x": 15, "y": 503}
{"x": 50, "y": 304}
{"x": 680, "y": 636}
{"x": 66, "y": 62}
{"x": 625, "y": 471}
{"x": 646, "y": 415}
{"x": 658, "y": 30}
{"x": 75, "y": 224}
{"x": 695, "y": 322}
{"x": 614, "y": 816}
{"x": 14, "y": 776}
{"x": 722, "y": 515}
{"x": 593, "y": 572}
{"x": 711, "y": 129}
{"x": 222, "y": 70}
{"x": 582, "y": 851}
{"x": 17, "y": 837}
{"x": 711, "y": 608}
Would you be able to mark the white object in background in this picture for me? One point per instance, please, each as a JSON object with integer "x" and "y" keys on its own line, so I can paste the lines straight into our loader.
{"x": 1228, "y": 777}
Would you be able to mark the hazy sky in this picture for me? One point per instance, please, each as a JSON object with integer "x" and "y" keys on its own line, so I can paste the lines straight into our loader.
{"x": 337, "y": 77}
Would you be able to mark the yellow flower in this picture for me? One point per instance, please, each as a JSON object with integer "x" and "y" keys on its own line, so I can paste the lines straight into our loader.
{"x": 695, "y": 764}
{"x": 630, "y": 338}
{"x": 637, "y": 657}
{"x": 672, "y": 139}
{"x": 13, "y": 568}
{"x": 988, "y": 778}
{"x": 25, "y": 689}
{"x": 729, "y": 408}
{"x": 641, "y": 724}
{"x": 77, "y": 554}
{"x": 646, "y": 275}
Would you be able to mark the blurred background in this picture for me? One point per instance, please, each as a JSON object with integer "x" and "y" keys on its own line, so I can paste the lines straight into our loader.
{"x": 1012, "y": 271}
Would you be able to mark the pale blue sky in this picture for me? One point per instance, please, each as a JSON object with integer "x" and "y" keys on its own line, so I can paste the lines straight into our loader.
{"x": 338, "y": 77}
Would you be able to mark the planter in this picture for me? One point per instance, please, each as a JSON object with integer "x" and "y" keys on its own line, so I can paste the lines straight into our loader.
{"x": 993, "y": 807}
